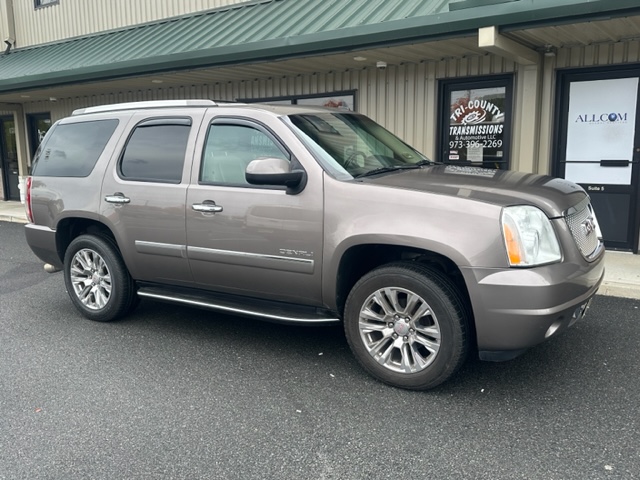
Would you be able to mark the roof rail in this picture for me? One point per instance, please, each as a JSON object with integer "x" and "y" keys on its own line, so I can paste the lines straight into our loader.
{"x": 149, "y": 104}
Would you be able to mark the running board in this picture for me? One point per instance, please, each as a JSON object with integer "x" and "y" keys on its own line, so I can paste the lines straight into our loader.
{"x": 277, "y": 312}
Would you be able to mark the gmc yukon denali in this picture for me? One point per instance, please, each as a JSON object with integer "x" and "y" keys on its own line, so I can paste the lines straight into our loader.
{"x": 308, "y": 215}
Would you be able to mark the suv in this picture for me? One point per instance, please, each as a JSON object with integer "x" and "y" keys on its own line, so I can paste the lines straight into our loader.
{"x": 311, "y": 216}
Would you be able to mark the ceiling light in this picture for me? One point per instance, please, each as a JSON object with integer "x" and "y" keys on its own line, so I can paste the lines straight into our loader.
{"x": 359, "y": 58}
{"x": 157, "y": 80}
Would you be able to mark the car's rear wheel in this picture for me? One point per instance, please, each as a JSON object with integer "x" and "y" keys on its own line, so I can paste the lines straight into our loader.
{"x": 407, "y": 325}
{"x": 97, "y": 279}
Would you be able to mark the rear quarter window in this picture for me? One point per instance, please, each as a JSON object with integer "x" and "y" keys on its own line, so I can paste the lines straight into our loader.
{"x": 72, "y": 150}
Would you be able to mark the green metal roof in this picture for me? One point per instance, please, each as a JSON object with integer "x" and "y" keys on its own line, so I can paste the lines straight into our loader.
{"x": 272, "y": 30}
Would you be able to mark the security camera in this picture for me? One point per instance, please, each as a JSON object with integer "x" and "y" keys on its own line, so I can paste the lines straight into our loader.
{"x": 381, "y": 65}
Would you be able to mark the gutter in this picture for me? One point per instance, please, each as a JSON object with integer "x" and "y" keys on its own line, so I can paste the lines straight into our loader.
{"x": 507, "y": 16}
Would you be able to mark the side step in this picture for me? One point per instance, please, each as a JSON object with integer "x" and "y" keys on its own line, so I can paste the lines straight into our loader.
{"x": 277, "y": 312}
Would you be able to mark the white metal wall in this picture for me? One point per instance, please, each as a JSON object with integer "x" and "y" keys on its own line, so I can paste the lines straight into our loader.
{"x": 402, "y": 98}
{"x": 4, "y": 25}
{"x": 71, "y": 18}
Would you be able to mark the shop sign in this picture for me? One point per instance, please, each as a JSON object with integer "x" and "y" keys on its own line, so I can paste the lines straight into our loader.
{"x": 476, "y": 125}
{"x": 601, "y": 131}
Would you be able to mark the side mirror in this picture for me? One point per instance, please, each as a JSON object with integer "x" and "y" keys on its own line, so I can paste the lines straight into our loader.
{"x": 276, "y": 171}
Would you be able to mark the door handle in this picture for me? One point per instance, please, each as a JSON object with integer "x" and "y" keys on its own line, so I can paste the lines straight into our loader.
{"x": 117, "y": 198}
{"x": 208, "y": 206}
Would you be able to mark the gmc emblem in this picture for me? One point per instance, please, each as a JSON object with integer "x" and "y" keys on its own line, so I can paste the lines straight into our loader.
{"x": 588, "y": 226}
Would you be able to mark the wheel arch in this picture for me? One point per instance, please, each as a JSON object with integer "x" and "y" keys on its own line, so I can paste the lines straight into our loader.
{"x": 360, "y": 258}
{"x": 71, "y": 227}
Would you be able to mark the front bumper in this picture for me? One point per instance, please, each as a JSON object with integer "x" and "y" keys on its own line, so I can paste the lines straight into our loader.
{"x": 515, "y": 309}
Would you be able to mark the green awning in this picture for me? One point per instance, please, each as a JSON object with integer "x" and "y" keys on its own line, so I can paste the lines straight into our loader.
{"x": 271, "y": 30}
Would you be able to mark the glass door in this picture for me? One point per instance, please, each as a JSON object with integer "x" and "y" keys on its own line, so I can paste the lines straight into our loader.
{"x": 9, "y": 158}
{"x": 599, "y": 148}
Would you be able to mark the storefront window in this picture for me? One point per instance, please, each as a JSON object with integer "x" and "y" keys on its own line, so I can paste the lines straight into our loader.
{"x": 39, "y": 125}
{"x": 476, "y": 119}
{"x": 341, "y": 100}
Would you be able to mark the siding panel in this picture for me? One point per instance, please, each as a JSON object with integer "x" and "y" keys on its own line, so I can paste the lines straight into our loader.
{"x": 72, "y": 18}
{"x": 402, "y": 98}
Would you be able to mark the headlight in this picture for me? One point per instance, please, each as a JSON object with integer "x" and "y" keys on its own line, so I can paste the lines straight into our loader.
{"x": 529, "y": 237}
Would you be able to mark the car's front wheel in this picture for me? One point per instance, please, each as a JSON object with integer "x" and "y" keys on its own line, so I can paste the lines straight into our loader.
{"x": 97, "y": 279}
{"x": 407, "y": 325}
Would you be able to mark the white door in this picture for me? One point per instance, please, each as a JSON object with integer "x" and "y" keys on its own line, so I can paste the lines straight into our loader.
{"x": 601, "y": 151}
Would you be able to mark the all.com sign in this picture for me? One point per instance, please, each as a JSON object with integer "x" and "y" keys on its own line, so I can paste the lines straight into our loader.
{"x": 602, "y": 118}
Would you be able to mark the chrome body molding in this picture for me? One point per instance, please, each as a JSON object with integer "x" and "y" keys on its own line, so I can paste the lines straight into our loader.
{"x": 271, "y": 262}
{"x": 165, "y": 249}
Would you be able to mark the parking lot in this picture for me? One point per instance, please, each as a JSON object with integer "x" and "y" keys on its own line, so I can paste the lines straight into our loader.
{"x": 174, "y": 392}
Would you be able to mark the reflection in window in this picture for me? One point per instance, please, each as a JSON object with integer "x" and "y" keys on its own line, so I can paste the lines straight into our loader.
{"x": 44, "y": 3}
{"x": 229, "y": 150}
{"x": 72, "y": 150}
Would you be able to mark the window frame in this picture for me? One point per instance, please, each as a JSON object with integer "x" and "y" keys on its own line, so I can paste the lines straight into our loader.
{"x": 37, "y": 4}
{"x": 153, "y": 122}
{"x": 294, "y": 98}
{"x": 449, "y": 85}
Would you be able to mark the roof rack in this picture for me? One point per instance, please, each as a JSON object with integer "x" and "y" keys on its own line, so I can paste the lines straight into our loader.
{"x": 149, "y": 104}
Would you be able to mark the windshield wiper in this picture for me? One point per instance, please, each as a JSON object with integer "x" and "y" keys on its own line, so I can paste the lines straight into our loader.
{"x": 395, "y": 168}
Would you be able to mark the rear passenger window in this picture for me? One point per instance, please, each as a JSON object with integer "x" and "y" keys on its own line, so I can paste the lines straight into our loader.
{"x": 230, "y": 148}
{"x": 72, "y": 150}
{"x": 156, "y": 150}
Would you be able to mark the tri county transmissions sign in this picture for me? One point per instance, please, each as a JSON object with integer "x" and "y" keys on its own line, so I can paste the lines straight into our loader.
{"x": 476, "y": 126}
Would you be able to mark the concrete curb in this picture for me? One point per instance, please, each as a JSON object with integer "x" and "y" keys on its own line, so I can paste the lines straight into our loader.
{"x": 12, "y": 219}
{"x": 613, "y": 289}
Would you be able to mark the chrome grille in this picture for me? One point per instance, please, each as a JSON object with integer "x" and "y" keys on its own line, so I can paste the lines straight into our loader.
{"x": 583, "y": 225}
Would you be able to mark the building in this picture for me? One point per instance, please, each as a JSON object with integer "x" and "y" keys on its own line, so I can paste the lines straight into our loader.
{"x": 547, "y": 86}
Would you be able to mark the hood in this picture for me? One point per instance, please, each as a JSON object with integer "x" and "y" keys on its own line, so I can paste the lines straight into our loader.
{"x": 499, "y": 187}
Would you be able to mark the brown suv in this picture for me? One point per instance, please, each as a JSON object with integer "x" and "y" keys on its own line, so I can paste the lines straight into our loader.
{"x": 311, "y": 216}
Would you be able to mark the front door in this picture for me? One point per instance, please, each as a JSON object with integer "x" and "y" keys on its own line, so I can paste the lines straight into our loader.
{"x": 600, "y": 148}
{"x": 9, "y": 158}
{"x": 249, "y": 239}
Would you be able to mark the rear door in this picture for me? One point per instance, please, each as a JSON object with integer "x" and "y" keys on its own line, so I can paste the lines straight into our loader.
{"x": 143, "y": 194}
{"x": 245, "y": 239}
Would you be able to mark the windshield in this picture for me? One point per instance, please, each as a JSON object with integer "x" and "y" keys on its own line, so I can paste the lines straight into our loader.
{"x": 352, "y": 145}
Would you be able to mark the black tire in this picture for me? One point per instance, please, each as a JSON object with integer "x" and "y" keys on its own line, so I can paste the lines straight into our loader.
{"x": 394, "y": 350}
{"x": 97, "y": 279}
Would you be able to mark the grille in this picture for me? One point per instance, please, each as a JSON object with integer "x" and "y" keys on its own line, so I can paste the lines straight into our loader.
{"x": 582, "y": 224}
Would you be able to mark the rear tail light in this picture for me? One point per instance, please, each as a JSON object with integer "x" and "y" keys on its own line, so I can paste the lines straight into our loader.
{"x": 28, "y": 200}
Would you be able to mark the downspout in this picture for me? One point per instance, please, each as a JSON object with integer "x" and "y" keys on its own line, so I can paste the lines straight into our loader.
{"x": 10, "y": 38}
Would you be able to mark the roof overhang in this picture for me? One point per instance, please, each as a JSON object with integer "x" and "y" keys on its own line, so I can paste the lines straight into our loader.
{"x": 131, "y": 58}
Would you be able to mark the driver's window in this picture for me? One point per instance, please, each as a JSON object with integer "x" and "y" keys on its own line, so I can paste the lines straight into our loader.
{"x": 230, "y": 148}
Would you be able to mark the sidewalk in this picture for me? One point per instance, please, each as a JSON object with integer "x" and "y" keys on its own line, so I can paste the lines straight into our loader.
{"x": 622, "y": 277}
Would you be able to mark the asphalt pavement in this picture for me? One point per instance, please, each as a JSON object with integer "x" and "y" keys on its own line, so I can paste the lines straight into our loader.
{"x": 175, "y": 392}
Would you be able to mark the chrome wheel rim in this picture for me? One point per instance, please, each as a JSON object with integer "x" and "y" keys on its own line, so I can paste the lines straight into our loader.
{"x": 399, "y": 330}
{"x": 91, "y": 279}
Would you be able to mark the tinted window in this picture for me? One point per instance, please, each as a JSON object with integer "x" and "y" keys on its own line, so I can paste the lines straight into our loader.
{"x": 155, "y": 153}
{"x": 72, "y": 150}
{"x": 229, "y": 150}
